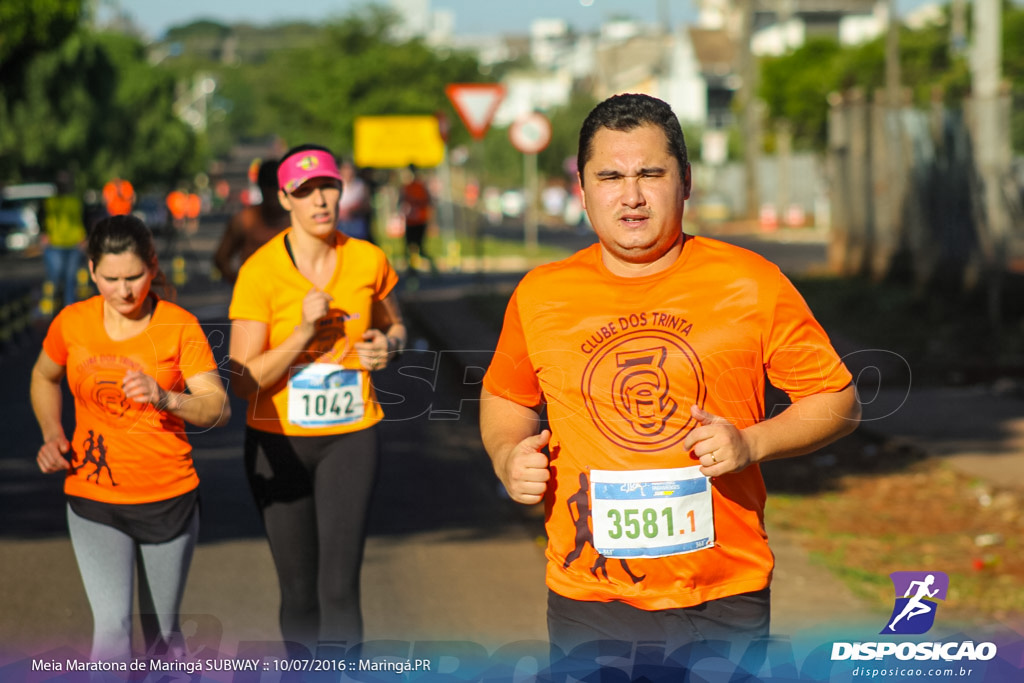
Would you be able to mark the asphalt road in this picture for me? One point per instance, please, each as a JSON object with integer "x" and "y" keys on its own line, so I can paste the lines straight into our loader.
{"x": 443, "y": 544}
{"x": 448, "y": 558}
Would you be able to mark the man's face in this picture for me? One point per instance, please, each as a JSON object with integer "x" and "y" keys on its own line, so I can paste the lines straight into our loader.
{"x": 634, "y": 193}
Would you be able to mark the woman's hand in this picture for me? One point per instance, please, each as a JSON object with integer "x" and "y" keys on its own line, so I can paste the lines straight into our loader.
{"x": 51, "y": 455}
{"x": 140, "y": 387}
{"x": 315, "y": 305}
{"x": 373, "y": 350}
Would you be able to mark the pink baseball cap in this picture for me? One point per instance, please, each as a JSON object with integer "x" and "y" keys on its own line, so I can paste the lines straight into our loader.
{"x": 306, "y": 165}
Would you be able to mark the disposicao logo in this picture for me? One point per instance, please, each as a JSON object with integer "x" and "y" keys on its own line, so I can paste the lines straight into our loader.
{"x": 913, "y": 614}
{"x": 916, "y": 595}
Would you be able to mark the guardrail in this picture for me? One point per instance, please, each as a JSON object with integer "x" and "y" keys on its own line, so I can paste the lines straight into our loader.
{"x": 17, "y": 310}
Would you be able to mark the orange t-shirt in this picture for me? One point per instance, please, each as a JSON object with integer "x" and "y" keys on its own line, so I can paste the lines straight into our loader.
{"x": 270, "y": 289}
{"x": 618, "y": 363}
{"x": 124, "y": 451}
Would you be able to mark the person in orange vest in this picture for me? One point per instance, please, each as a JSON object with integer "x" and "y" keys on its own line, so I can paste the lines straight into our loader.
{"x": 177, "y": 204}
{"x": 193, "y": 207}
{"x": 119, "y": 196}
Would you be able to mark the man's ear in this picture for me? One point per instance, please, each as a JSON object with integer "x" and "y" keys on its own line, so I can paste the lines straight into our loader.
{"x": 583, "y": 196}
{"x": 687, "y": 181}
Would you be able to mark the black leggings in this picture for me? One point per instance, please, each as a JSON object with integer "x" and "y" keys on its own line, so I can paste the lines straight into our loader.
{"x": 314, "y": 494}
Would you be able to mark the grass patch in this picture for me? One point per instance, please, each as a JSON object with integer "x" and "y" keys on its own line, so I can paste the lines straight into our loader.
{"x": 925, "y": 516}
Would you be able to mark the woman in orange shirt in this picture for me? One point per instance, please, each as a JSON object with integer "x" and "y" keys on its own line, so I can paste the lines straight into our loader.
{"x": 139, "y": 367}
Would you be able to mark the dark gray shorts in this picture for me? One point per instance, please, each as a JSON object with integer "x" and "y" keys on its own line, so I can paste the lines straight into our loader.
{"x": 741, "y": 617}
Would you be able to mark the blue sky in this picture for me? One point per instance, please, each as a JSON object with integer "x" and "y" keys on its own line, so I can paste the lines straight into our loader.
{"x": 472, "y": 16}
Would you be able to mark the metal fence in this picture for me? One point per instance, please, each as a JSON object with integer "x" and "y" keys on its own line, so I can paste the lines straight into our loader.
{"x": 912, "y": 195}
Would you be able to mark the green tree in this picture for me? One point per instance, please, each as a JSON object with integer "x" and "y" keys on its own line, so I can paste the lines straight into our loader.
{"x": 94, "y": 105}
{"x": 28, "y": 27}
{"x": 796, "y": 86}
{"x": 352, "y": 68}
{"x": 565, "y": 133}
{"x": 156, "y": 147}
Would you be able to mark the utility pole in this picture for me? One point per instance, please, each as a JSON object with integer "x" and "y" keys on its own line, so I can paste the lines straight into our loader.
{"x": 989, "y": 132}
{"x": 958, "y": 26}
{"x": 784, "y": 129}
{"x": 751, "y": 115}
{"x": 892, "y": 58}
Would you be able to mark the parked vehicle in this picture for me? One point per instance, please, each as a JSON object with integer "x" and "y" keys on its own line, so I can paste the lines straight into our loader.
{"x": 20, "y": 207}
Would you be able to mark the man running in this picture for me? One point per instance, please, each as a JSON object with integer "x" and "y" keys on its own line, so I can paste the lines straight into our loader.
{"x": 649, "y": 352}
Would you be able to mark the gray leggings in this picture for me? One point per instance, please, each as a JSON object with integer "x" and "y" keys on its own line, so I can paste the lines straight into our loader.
{"x": 107, "y": 560}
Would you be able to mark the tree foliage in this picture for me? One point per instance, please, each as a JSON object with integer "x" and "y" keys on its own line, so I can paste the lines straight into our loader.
{"x": 353, "y": 67}
{"x": 30, "y": 26}
{"x": 796, "y": 86}
{"x": 90, "y": 103}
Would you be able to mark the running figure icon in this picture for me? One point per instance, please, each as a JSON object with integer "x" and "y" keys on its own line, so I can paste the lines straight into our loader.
{"x": 93, "y": 446}
{"x": 584, "y": 535}
{"x": 916, "y": 605}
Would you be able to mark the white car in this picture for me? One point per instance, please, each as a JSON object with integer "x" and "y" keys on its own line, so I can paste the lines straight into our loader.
{"x": 20, "y": 207}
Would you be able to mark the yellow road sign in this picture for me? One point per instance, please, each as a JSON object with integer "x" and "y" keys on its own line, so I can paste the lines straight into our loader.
{"x": 397, "y": 141}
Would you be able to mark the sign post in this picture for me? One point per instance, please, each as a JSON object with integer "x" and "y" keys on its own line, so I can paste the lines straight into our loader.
{"x": 530, "y": 134}
{"x": 476, "y": 104}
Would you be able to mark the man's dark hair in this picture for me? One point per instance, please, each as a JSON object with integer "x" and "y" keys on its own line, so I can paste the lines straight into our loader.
{"x": 626, "y": 112}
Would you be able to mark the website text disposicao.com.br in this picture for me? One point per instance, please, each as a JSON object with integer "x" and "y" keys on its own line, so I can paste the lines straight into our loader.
{"x": 912, "y": 673}
{"x": 949, "y": 652}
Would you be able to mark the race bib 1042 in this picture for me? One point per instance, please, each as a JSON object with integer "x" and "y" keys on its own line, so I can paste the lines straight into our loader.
{"x": 325, "y": 395}
{"x": 651, "y": 513}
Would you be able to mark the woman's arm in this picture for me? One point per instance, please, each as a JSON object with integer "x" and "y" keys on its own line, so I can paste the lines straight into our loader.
{"x": 47, "y": 404}
{"x": 254, "y": 364}
{"x": 387, "y": 316}
{"x": 386, "y": 337}
{"x": 205, "y": 404}
{"x": 230, "y": 244}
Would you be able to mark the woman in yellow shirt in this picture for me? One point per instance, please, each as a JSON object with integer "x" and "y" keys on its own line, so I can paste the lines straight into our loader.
{"x": 313, "y": 312}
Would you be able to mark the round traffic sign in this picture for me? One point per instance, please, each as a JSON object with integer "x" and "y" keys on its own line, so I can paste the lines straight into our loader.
{"x": 530, "y": 133}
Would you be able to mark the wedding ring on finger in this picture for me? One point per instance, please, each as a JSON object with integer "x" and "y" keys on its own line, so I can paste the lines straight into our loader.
{"x": 714, "y": 460}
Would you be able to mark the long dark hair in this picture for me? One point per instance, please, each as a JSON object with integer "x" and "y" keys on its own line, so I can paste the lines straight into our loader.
{"x": 128, "y": 234}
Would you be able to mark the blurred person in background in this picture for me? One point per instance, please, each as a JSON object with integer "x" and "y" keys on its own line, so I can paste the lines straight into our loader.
{"x": 417, "y": 207}
{"x": 355, "y": 207}
{"x": 63, "y": 240}
{"x": 253, "y": 226}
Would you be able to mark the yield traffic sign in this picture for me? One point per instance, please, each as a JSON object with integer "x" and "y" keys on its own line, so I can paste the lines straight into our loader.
{"x": 476, "y": 104}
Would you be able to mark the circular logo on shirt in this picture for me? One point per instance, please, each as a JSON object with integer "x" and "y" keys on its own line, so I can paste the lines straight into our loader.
{"x": 103, "y": 394}
{"x": 639, "y": 388}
